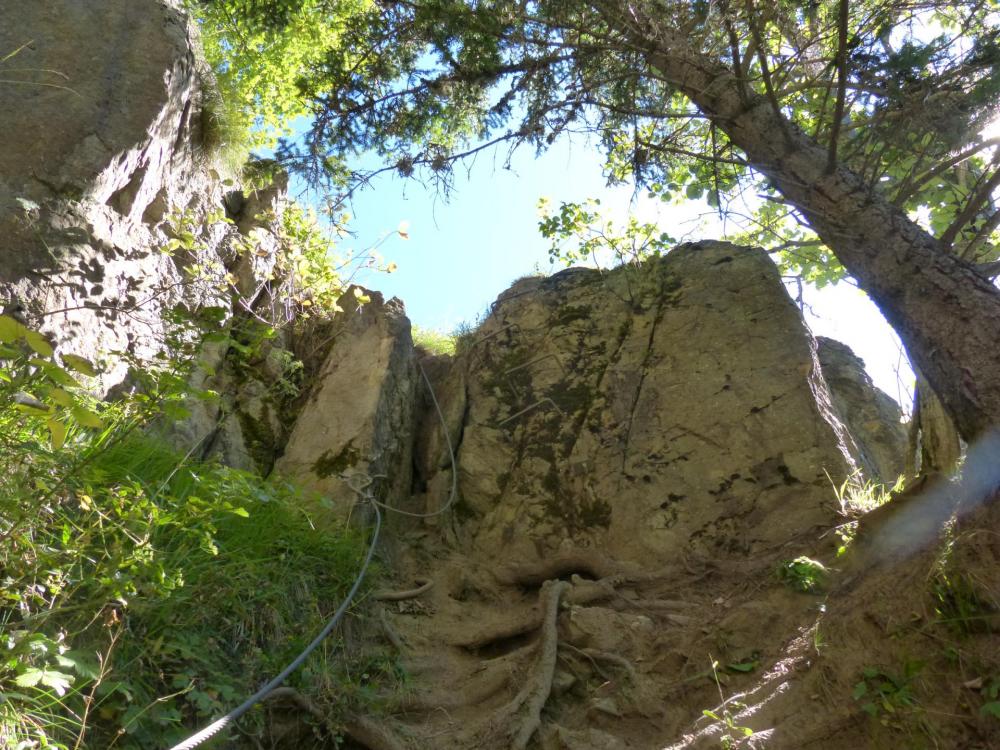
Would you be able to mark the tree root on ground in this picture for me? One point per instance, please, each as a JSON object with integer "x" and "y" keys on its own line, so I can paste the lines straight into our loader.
{"x": 582, "y": 592}
{"x": 536, "y": 573}
{"x": 595, "y": 655}
{"x": 398, "y": 596}
{"x": 372, "y": 735}
{"x": 459, "y": 694}
{"x": 523, "y": 715}
{"x": 391, "y": 633}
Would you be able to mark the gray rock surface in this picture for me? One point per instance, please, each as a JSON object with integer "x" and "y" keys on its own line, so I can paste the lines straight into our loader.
{"x": 872, "y": 417}
{"x": 103, "y": 162}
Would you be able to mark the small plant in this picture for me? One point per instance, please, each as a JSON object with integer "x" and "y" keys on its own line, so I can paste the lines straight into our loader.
{"x": 733, "y": 733}
{"x": 991, "y": 692}
{"x": 884, "y": 695}
{"x": 804, "y": 574}
{"x": 857, "y": 497}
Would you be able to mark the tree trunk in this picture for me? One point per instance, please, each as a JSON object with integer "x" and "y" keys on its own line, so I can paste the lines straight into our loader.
{"x": 946, "y": 313}
{"x": 934, "y": 446}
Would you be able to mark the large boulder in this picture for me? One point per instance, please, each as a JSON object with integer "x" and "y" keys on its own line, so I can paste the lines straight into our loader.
{"x": 872, "y": 417}
{"x": 645, "y": 414}
{"x": 110, "y": 207}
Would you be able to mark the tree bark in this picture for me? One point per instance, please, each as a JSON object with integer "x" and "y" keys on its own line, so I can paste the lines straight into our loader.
{"x": 937, "y": 447}
{"x": 946, "y": 313}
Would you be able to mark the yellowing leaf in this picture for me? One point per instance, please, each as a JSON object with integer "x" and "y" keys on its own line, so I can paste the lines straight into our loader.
{"x": 39, "y": 343}
{"x": 61, "y": 397}
{"x": 86, "y": 502}
{"x": 80, "y": 364}
{"x": 87, "y": 418}
{"x": 57, "y": 433}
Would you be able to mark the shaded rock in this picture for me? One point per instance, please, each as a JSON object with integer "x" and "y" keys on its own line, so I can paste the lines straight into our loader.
{"x": 358, "y": 419}
{"x": 871, "y": 416}
{"x": 103, "y": 165}
{"x": 648, "y": 413}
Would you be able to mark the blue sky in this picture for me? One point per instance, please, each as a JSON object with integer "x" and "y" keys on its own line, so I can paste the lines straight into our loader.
{"x": 465, "y": 249}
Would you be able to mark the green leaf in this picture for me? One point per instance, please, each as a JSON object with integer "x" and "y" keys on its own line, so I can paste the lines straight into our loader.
{"x": 57, "y": 433}
{"x": 860, "y": 690}
{"x": 747, "y": 666}
{"x": 11, "y": 330}
{"x": 28, "y": 404}
{"x": 39, "y": 343}
{"x": 81, "y": 662}
{"x": 80, "y": 364}
{"x": 991, "y": 709}
{"x": 87, "y": 418}
{"x": 58, "y": 681}
{"x": 7, "y": 352}
{"x": 61, "y": 397}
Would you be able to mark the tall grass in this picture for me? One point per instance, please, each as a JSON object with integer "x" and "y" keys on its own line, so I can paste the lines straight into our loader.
{"x": 141, "y": 592}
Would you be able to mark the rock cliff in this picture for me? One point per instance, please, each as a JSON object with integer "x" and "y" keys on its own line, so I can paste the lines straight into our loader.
{"x": 602, "y": 489}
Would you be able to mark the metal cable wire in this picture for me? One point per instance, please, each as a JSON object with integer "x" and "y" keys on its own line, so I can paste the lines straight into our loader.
{"x": 367, "y": 496}
{"x": 217, "y": 726}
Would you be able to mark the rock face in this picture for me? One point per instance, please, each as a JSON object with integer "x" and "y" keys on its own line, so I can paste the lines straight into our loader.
{"x": 873, "y": 418}
{"x": 646, "y": 413}
{"x": 102, "y": 163}
{"x": 113, "y": 215}
{"x": 356, "y": 425}
{"x": 619, "y": 437}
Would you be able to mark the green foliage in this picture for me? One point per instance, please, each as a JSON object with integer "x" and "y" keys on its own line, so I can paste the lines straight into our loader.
{"x": 308, "y": 264}
{"x": 423, "y": 85}
{"x": 732, "y": 733}
{"x": 433, "y": 341}
{"x": 887, "y": 696}
{"x": 143, "y": 592}
{"x": 804, "y": 574}
{"x": 595, "y": 239}
{"x": 263, "y": 54}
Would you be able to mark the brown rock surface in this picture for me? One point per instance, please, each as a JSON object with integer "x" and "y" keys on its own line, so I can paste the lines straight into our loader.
{"x": 357, "y": 422}
{"x": 646, "y": 414}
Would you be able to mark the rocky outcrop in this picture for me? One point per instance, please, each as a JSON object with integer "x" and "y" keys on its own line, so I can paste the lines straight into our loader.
{"x": 355, "y": 428}
{"x": 873, "y": 418}
{"x": 646, "y": 413}
{"x": 114, "y": 217}
{"x": 621, "y": 438}
{"x": 110, "y": 208}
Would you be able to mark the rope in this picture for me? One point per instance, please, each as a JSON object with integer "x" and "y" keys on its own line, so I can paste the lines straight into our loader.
{"x": 217, "y": 726}
{"x": 451, "y": 454}
{"x": 366, "y": 495}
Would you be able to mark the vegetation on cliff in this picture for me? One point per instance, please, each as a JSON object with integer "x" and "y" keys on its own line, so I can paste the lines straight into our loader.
{"x": 860, "y": 124}
{"x": 143, "y": 589}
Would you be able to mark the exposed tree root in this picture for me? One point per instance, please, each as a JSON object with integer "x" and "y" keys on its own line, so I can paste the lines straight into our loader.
{"x": 398, "y": 596}
{"x": 498, "y": 631}
{"x": 390, "y": 632}
{"x": 595, "y": 655}
{"x": 372, "y": 735}
{"x": 582, "y": 592}
{"x": 468, "y": 693}
{"x": 529, "y": 702}
{"x": 534, "y": 574}
{"x": 300, "y": 701}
